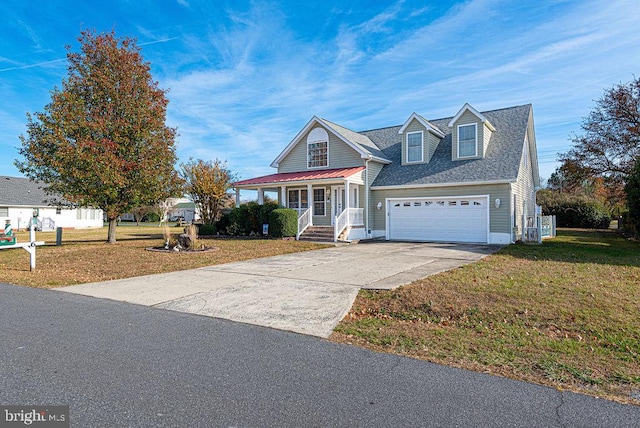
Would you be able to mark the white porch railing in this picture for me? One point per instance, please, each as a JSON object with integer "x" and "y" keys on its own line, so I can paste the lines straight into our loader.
{"x": 48, "y": 224}
{"x": 348, "y": 217}
{"x": 45, "y": 224}
{"x": 356, "y": 216}
{"x": 304, "y": 221}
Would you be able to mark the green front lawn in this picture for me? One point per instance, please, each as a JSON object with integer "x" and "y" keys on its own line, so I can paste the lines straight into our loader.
{"x": 84, "y": 257}
{"x": 565, "y": 313}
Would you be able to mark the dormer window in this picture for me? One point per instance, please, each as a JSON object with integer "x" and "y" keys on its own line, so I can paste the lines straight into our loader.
{"x": 414, "y": 147}
{"x": 317, "y": 148}
{"x": 468, "y": 140}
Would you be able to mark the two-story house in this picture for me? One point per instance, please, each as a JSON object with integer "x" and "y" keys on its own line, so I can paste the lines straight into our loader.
{"x": 467, "y": 178}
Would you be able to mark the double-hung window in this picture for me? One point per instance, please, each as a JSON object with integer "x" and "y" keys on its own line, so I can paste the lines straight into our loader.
{"x": 467, "y": 140}
{"x": 319, "y": 204}
{"x": 298, "y": 199}
{"x": 294, "y": 199}
{"x": 414, "y": 147}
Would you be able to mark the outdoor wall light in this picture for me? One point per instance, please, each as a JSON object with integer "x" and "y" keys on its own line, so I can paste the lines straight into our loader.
{"x": 497, "y": 202}
{"x": 379, "y": 205}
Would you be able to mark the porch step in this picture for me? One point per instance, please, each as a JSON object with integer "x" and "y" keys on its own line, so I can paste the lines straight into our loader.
{"x": 318, "y": 234}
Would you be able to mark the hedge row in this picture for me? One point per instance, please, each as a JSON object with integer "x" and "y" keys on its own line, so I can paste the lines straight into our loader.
{"x": 247, "y": 219}
{"x": 574, "y": 211}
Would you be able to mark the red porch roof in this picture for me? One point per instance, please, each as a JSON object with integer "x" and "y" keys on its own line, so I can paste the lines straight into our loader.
{"x": 285, "y": 177}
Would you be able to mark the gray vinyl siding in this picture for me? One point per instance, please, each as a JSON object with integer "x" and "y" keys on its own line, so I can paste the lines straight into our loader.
{"x": 486, "y": 132}
{"x": 433, "y": 142}
{"x": 468, "y": 118}
{"x": 523, "y": 189}
{"x": 415, "y": 126}
{"x": 323, "y": 220}
{"x": 499, "y": 218}
{"x": 374, "y": 170}
{"x": 340, "y": 155}
{"x": 357, "y": 178}
{"x": 318, "y": 220}
{"x": 429, "y": 142}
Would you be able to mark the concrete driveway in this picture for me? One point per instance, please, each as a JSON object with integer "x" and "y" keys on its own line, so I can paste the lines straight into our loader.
{"x": 308, "y": 292}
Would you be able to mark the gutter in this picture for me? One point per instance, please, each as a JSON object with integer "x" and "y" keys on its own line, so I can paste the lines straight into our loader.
{"x": 461, "y": 183}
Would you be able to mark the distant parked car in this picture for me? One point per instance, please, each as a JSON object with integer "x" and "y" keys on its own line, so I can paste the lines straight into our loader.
{"x": 176, "y": 218}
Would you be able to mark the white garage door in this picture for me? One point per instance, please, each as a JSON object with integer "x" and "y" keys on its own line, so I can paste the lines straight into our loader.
{"x": 438, "y": 219}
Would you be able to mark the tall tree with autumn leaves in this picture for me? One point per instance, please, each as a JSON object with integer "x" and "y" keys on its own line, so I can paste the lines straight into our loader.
{"x": 102, "y": 141}
{"x": 207, "y": 183}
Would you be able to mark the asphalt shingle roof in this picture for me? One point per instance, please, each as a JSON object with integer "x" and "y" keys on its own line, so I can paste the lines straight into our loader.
{"x": 18, "y": 191}
{"x": 501, "y": 160}
{"x": 359, "y": 139}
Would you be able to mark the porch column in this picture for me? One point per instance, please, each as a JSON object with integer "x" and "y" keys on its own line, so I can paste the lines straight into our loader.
{"x": 237, "y": 197}
{"x": 260, "y": 196}
{"x": 346, "y": 195}
{"x": 310, "y": 197}
{"x": 283, "y": 196}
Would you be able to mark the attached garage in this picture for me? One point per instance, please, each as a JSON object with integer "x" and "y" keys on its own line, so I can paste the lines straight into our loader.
{"x": 441, "y": 219}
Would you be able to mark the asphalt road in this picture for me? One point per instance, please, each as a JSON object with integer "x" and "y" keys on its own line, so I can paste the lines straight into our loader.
{"x": 117, "y": 364}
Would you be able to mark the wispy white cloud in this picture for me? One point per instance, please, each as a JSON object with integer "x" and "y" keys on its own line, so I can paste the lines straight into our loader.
{"x": 244, "y": 79}
{"x": 32, "y": 34}
{"x": 38, "y": 64}
{"x": 165, "y": 40}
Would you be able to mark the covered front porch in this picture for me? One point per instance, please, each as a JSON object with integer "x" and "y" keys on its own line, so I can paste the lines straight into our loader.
{"x": 333, "y": 199}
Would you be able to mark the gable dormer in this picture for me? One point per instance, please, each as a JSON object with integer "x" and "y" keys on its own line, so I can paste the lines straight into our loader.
{"x": 419, "y": 140}
{"x": 470, "y": 134}
{"x": 325, "y": 145}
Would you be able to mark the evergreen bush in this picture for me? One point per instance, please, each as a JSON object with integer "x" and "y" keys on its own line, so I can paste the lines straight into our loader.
{"x": 283, "y": 222}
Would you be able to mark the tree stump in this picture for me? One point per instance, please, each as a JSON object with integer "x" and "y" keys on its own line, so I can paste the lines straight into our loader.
{"x": 184, "y": 241}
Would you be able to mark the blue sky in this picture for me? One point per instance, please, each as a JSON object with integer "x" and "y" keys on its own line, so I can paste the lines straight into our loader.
{"x": 245, "y": 77}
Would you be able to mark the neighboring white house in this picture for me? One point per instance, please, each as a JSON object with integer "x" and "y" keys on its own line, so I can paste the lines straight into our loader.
{"x": 19, "y": 197}
{"x": 184, "y": 209}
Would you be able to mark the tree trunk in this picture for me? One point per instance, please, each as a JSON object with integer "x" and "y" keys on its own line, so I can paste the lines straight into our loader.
{"x": 111, "y": 237}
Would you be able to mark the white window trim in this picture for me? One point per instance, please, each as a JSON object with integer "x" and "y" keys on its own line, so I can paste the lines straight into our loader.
{"x": 324, "y": 201}
{"x": 299, "y": 193}
{"x": 421, "y": 147}
{"x": 316, "y": 142}
{"x": 289, "y": 201}
{"x": 475, "y": 125}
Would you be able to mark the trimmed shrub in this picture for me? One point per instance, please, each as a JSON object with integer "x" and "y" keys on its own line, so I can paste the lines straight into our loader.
{"x": 248, "y": 218}
{"x": 574, "y": 211}
{"x": 222, "y": 224}
{"x": 264, "y": 211}
{"x": 283, "y": 222}
{"x": 239, "y": 220}
{"x": 207, "y": 230}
